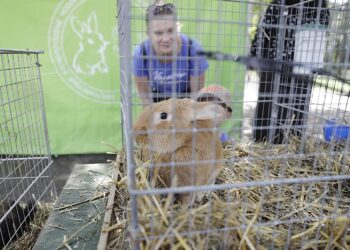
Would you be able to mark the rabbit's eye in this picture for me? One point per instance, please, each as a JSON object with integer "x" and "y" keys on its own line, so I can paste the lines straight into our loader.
{"x": 163, "y": 116}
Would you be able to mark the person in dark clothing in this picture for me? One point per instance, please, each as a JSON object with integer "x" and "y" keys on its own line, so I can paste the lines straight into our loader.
{"x": 283, "y": 99}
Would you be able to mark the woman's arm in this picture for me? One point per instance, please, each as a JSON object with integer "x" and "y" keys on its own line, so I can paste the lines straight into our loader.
{"x": 143, "y": 89}
{"x": 196, "y": 83}
{"x": 198, "y": 67}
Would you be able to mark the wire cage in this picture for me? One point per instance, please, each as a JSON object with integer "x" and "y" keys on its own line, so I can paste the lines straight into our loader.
{"x": 25, "y": 163}
{"x": 281, "y": 180}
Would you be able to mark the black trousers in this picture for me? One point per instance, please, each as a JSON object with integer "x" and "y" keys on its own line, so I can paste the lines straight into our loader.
{"x": 282, "y": 106}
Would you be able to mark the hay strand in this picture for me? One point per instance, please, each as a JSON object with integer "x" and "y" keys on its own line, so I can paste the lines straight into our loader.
{"x": 304, "y": 215}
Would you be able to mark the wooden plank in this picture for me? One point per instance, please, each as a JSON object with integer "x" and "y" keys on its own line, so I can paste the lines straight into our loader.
{"x": 79, "y": 211}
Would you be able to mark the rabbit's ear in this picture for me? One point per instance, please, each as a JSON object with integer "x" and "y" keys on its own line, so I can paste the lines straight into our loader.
{"x": 77, "y": 26}
{"x": 205, "y": 111}
{"x": 92, "y": 22}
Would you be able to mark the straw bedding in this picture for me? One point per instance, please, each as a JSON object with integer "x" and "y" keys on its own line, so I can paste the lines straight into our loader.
{"x": 294, "y": 216}
{"x": 28, "y": 239}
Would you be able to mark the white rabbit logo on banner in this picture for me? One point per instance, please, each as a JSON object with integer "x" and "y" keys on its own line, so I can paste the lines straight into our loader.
{"x": 83, "y": 46}
{"x": 90, "y": 56}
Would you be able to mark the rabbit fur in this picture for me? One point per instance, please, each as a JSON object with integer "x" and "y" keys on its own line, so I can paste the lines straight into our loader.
{"x": 182, "y": 131}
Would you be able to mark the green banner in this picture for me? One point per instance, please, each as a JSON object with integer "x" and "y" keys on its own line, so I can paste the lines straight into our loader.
{"x": 80, "y": 70}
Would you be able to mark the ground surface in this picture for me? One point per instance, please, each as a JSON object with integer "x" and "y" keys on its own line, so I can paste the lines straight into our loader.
{"x": 63, "y": 165}
{"x": 83, "y": 220}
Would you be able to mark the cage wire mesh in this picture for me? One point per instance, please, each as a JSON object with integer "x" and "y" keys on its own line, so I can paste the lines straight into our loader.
{"x": 283, "y": 176}
{"x": 25, "y": 163}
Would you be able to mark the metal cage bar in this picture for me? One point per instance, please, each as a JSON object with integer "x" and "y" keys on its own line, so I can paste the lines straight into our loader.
{"x": 25, "y": 159}
{"x": 287, "y": 138}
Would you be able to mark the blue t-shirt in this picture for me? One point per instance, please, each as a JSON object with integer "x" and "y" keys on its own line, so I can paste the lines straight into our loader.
{"x": 161, "y": 75}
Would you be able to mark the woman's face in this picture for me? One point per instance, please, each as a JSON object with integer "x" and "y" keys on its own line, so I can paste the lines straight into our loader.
{"x": 163, "y": 35}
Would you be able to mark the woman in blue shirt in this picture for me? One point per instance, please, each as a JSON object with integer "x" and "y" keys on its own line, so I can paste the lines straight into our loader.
{"x": 166, "y": 65}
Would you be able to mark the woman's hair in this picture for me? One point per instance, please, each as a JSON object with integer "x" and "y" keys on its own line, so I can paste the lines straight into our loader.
{"x": 155, "y": 10}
